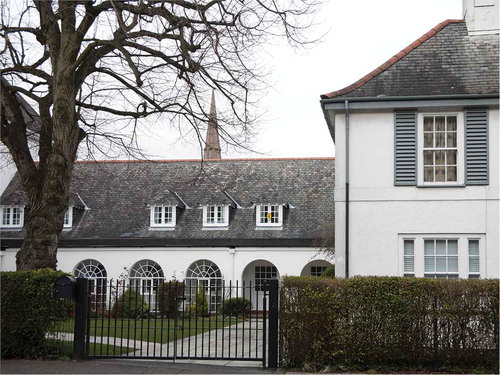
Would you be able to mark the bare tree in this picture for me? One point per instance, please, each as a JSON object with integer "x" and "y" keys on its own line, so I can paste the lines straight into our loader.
{"x": 90, "y": 68}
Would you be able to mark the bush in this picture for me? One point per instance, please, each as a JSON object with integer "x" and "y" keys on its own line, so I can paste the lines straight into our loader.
{"x": 237, "y": 306}
{"x": 390, "y": 323}
{"x": 29, "y": 310}
{"x": 130, "y": 305}
{"x": 199, "y": 308}
{"x": 168, "y": 298}
{"x": 329, "y": 272}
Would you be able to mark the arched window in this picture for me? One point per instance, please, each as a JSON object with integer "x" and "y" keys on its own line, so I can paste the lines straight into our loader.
{"x": 96, "y": 273}
{"x": 145, "y": 275}
{"x": 207, "y": 274}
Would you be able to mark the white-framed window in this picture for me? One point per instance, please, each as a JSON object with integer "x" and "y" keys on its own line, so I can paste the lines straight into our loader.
{"x": 409, "y": 257}
{"x": 216, "y": 215}
{"x": 12, "y": 216}
{"x": 68, "y": 218}
{"x": 474, "y": 259}
{"x": 162, "y": 216}
{"x": 441, "y": 258}
{"x": 318, "y": 270}
{"x": 441, "y": 149}
{"x": 449, "y": 256}
{"x": 262, "y": 274}
{"x": 269, "y": 215}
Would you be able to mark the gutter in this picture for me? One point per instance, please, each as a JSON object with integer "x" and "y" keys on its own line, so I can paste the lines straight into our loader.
{"x": 391, "y": 102}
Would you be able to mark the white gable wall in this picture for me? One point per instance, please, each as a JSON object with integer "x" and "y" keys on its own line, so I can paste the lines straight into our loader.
{"x": 381, "y": 214}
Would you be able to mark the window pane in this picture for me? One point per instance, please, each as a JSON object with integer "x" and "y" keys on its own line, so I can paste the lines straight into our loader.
{"x": 441, "y": 247}
{"x": 428, "y": 124}
{"x": 440, "y": 123}
{"x": 453, "y": 247}
{"x": 439, "y": 155}
{"x": 452, "y": 139}
{"x": 429, "y": 247}
{"x": 440, "y": 140}
{"x": 408, "y": 247}
{"x": 439, "y": 174}
{"x": 451, "y": 157}
{"x": 429, "y": 174}
{"x": 429, "y": 265}
{"x": 453, "y": 264}
{"x": 16, "y": 216}
{"x": 474, "y": 247}
{"x": 451, "y": 123}
{"x": 440, "y": 264}
{"x": 428, "y": 140}
{"x": 409, "y": 264}
{"x": 428, "y": 157}
{"x": 451, "y": 174}
{"x": 6, "y": 216}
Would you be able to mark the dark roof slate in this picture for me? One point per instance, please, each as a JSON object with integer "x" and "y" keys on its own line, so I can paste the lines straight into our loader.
{"x": 444, "y": 61}
{"x": 118, "y": 194}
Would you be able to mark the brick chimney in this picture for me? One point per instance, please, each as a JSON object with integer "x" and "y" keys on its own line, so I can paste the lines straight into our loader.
{"x": 481, "y": 16}
{"x": 212, "y": 144}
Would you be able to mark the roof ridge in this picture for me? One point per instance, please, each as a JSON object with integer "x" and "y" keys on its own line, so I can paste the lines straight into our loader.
{"x": 199, "y": 160}
{"x": 393, "y": 60}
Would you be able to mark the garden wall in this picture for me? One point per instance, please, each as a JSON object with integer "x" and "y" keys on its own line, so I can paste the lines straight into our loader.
{"x": 389, "y": 322}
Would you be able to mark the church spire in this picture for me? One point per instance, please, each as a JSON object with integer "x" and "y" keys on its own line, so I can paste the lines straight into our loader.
{"x": 212, "y": 143}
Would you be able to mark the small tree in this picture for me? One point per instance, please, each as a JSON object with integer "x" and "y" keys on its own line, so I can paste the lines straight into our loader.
{"x": 200, "y": 306}
{"x": 168, "y": 298}
{"x": 130, "y": 305}
{"x": 237, "y": 306}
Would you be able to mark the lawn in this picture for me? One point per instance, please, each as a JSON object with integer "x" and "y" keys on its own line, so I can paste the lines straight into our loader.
{"x": 150, "y": 330}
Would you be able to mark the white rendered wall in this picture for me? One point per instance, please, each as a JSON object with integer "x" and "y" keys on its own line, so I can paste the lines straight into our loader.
{"x": 175, "y": 261}
{"x": 380, "y": 213}
{"x": 481, "y": 16}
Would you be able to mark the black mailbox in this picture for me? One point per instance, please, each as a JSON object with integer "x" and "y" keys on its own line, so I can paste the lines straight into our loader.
{"x": 65, "y": 287}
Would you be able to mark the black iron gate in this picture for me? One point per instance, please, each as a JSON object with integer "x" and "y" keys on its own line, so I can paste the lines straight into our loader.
{"x": 172, "y": 320}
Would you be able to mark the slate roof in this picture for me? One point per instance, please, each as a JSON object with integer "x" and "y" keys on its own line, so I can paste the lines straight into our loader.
{"x": 118, "y": 195}
{"x": 444, "y": 61}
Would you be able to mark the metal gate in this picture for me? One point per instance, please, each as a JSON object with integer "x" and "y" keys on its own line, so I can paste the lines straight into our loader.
{"x": 172, "y": 320}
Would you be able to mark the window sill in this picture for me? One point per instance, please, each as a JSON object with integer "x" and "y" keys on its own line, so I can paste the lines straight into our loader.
{"x": 440, "y": 186}
{"x": 216, "y": 228}
{"x": 270, "y": 228}
{"x": 13, "y": 229}
{"x": 161, "y": 229}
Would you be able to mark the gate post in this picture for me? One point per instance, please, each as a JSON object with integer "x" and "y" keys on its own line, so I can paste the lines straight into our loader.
{"x": 81, "y": 313}
{"x": 273, "y": 324}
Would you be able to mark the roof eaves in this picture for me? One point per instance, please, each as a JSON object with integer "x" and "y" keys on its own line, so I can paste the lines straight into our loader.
{"x": 393, "y": 60}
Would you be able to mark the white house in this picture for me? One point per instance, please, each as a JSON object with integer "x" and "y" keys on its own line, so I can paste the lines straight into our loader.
{"x": 417, "y": 156}
{"x": 240, "y": 220}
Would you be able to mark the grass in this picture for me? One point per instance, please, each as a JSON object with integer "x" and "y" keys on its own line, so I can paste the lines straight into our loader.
{"x": 150, "y": 330}
{"x": 65, "y": 348}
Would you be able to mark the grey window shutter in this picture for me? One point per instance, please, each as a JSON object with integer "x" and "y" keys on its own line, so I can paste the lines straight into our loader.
{"x": 476, "y": 147}
{"x": 405, "y": 148}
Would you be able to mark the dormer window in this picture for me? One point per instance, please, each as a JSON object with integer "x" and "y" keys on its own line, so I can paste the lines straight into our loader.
{"x": 12, "y": 216}
{"x": 68, "y": 218}
{"x": 269, "y": 215}
{"x": 216, "y": 215}
{"x": 163, "y": 216}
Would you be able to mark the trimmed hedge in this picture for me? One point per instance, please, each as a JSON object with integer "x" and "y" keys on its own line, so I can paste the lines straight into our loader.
{"x": 389, "y": 322}
{"x": 130, "y": 305}
{"x": 28, "y": 312}
{"x": 237, "y": 306}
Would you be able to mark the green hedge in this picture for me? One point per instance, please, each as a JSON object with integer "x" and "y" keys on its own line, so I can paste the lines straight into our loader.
{"x": 168, "y": 298}
{"x": 389, "y": 322}
{"x": 28, "y": 312}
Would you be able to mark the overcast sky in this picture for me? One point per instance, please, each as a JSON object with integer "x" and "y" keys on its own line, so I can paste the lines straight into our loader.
{"x": 363, "y": 34}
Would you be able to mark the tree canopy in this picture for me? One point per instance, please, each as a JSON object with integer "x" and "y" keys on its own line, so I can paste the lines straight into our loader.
{"x": 75, "y": 70}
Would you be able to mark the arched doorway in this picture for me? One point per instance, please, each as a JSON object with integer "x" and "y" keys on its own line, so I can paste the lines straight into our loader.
{"x": 255, "y": 276}
{"x": 315, "y": 268}
{"x": 204, "y": 273}
{"x": 95, "y": 272}
{"x": 144, "y": 277}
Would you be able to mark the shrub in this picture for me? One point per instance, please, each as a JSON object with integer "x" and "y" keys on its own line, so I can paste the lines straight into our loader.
{"x": 29, "y": 310}
{"x": 390, "y": 322}
{"x": 130, "y": 305}
{"x": 237, "y": 306}
{"x": 329, "y": 272}
{"x": 168, "y": 298}
{"x": 199, "y": 308}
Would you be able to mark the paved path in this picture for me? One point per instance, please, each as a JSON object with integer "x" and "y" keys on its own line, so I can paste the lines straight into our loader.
{"x": 243, "y": 340}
